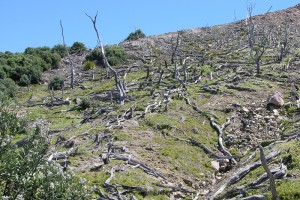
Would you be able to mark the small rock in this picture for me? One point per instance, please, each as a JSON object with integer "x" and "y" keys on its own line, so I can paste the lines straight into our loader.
{"x": 246, "y": 110}
{"x": 267, "y": 118}
{"x": 258, "y": 116}
{"x": 215, "y": 165}
{"x": 276, "y": 99}
{"x": 259, "y": 109}
{"x": 276, "y": 113}
{"x": 195, "y": 130}
{"x": 77, "y": 101}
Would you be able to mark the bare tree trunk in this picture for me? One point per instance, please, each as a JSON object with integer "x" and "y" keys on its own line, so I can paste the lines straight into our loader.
{"x": 71, "y": 63}
{"x": 119, "y": 85}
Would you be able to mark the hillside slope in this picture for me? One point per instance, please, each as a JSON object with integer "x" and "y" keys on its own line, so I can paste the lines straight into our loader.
{"x": 192, "y": 121}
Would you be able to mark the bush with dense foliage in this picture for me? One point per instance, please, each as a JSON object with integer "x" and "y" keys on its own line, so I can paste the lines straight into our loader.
{"x": 77, "y": 47}
{"x": 56, "y": 83}
{"x": 24, "y": 172}
{"x": 115, "y": 55}
{"x": 30, "y": 63}
{"x": 88, "y": 65}
{"x": 24, "y": 80}
{"x": 136, "y": 35}
{"x": 60, "y": 50}
{"x": 8, "y": 87}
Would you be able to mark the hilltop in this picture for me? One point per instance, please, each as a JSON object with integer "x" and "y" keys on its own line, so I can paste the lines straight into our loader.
{"x": 195, "y": 114}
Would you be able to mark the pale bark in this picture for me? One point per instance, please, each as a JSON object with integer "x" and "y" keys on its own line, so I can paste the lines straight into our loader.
{"x": 71, "y": 63}
{"x": 119, "y": 85}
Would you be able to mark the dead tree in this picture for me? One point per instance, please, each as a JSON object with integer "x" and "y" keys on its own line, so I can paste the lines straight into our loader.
{"x": 283, "y": 39}
{"x": 119, "y": 85}
{"x": 269, "y": 173}
{"x": 257, "y": 39}
{"x": 174, "y": 45}
{"x": 71, "y": 63}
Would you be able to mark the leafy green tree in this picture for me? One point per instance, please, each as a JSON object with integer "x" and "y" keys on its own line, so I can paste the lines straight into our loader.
{"x": 8, "y": 87}
{"x": 24, "y": 172}
{"x": 60, "y": 49}
{"x": 115, "y": 55}
{"x": 56, "y": 83}
{"x": 136, "y": 35}
{"x": 24, "y": 80}
{"x": 77, "y": 47}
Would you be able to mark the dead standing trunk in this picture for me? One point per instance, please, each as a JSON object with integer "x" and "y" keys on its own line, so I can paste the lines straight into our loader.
{"x": 119, "y": 85}
{"x": 71, "y": 63}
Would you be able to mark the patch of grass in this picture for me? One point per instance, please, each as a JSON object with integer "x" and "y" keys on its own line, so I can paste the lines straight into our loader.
{"x": 289, "y": 189}
{"x": 122, "y": 137}
{"x": 185, "y": 159}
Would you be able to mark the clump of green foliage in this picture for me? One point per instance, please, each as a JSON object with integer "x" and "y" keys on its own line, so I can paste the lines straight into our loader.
{"x": 8, "y": 88}
{"x": 115, "y": 55}
{"x": 51, "y": 60}
{"x": 88, "y": 65}
{"x": 24, "y": 172}
{"x": 24, "y": 80}
{"x": 30, "y": 63}
{"x": 136, "y": 35}
{"x": 56, "y": 83}
{"x": 60, "y": 49}
{"x": 77, "y": 47}
{"x": 85, "y": 103}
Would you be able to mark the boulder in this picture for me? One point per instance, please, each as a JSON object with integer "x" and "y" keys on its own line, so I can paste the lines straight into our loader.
{"x": 276, "y": 99}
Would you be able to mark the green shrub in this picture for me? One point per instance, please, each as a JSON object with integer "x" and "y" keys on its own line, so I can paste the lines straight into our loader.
{"x": 115, "y": 55}
{"x": 56, "y": 83}
{"x": 24, "y": 80}
{"x": 136, "y": 35}
{"x": 55, "y": 61}
{"x": 60, "y": 49}
{"x": 94, "y": 55}
{"x": 85, "y": 103}
{"x": 2, "y": 73}
{"x": 88, "y": 65}
{"x": 8, "y": 87}
{"x": 77, "y": 47}
{"x": 25, "y": 174}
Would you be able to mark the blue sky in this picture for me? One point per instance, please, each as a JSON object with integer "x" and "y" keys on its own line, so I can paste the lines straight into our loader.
{"x": 33, "y": 23}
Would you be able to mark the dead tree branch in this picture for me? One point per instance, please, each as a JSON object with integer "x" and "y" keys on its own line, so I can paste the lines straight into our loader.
{"x": 71, "y": 62}
{"x": 269, "y": 173}
{"x": 119, "y": 85}
{"x": 220, "y": 134}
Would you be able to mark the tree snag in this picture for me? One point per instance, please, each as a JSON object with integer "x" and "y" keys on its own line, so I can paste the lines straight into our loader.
{"x": 269, "y": 173}
{"x": 71, "y": 63}
{"x": 119, "y": 85}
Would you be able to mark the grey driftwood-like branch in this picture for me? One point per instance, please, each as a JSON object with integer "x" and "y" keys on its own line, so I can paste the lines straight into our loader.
{"x": 269, "y": 173}
{"x": 69, "y": 57}
{"x": 119, "y": 85}
{"x": 220, "y": 130}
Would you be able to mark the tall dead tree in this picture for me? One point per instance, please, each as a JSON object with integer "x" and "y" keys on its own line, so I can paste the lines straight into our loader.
{"x": 119, "y": 85}
{"x": 69, "y": 57}
{"x": 283, "y": 40}
{"x": 257, "y": 38}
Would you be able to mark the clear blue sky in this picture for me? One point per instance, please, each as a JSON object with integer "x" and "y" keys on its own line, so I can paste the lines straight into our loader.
{"x": 33, "y": 23}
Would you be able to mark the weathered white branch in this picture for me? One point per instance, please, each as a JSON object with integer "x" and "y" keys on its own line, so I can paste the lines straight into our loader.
{"x": 71, "y": 62}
